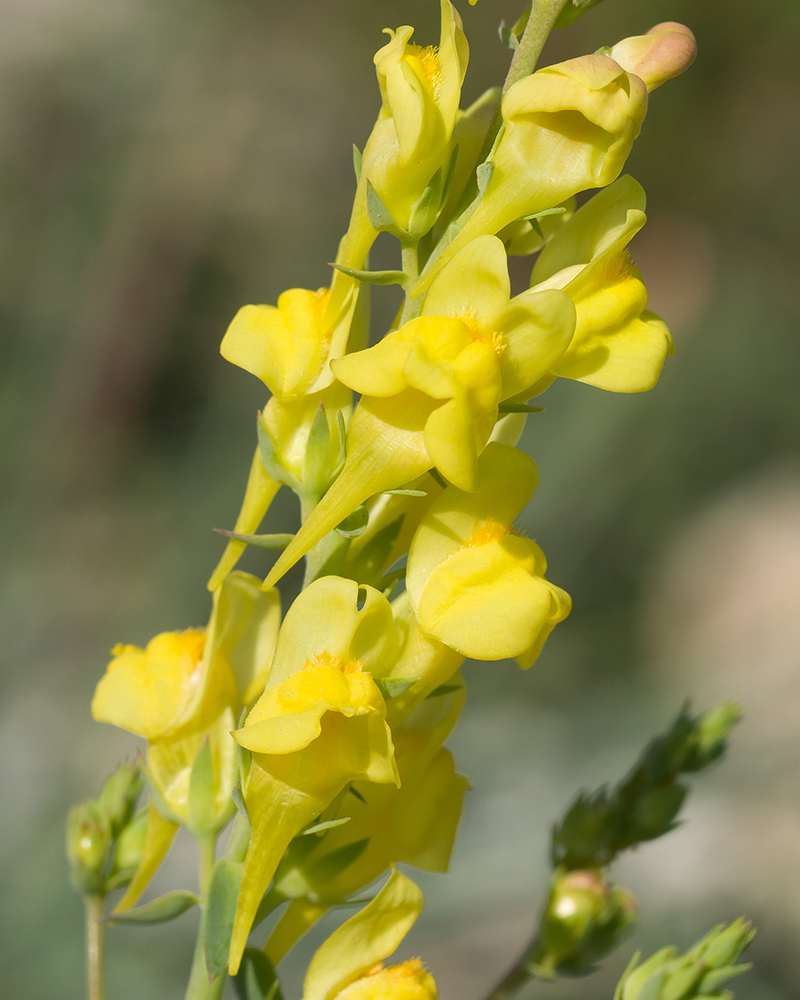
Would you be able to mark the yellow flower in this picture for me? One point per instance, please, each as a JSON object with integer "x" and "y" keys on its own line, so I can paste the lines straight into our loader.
{"x": 431, "y": 390}
{"x": 320, "y": 724}
{"x": 662, "y": 53}
{"x": 348, "y": 963}
{"x": 289, "y": 346}
{"x": 474, "y": 583}
{"x": 618, "y": 345}
{"x": 420, "y": 92}
{"x": 183, "y": 693}
{"x": 567, "y": 128}
{"x": 414, "y": 824}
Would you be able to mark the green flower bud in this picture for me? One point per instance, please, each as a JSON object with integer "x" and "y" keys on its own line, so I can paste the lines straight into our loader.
{"x": 130, "y": 845}
{"x": 117, "y": 799}
{"x": 699, "y": 973}
{"x": 88, "y": 842}
{"x": 585, "y": 919}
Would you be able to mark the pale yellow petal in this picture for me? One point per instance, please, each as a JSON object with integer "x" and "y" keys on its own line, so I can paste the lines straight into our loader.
{"x": 475, "y": 283}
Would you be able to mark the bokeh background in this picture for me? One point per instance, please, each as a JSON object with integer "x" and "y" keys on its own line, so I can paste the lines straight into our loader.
{"x": 163, "y": 162}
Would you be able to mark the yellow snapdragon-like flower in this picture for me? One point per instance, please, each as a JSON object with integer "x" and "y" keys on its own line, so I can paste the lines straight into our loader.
{"x": 320, "y": 724}
{"x": 349, "y": 963}
{"x": 431, "y": 390}
{"x": 287, "y": 346}
{"x": 618, "y": 344}
{"x": 414, "y": 824}
{"x": 474, "y": 583}
{"x": 183, "y": 693}
{"x": 567, "y": 128}
{"x": 420, "y": 92}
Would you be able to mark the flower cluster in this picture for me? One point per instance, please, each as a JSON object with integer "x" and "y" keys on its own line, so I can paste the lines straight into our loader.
{"x": 322, "y": 729}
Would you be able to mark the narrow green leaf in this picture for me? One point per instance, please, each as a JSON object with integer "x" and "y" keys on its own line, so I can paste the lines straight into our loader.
{"x": 157, "y": 911}
{"x": 404, "y": 493}
{"x": 558, "y": 210}
{"x": 373, "y": 277}
{"x": 357, "y": 162}
{"x": 390, "y": 688}
{"x": 260, "y": 541}
{"x": 358, "y": 795}
{"x": 519, "y": 408}
{"x": 220, "y": 910}
{"x": 256, "y": 978}
{"x": 329, "y": 824}
{"x": 436, "y": 475}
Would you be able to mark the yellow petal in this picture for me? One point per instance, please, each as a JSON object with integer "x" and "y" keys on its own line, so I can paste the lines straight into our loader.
{"x": 407, "y": 981}
{"x": 484, "y": 601}
{"x": 299, "y": 917}
{"x": 537, "y": 329}
{"x": 508, "y": 479}
{"x": 243, "y": 631}
{"x": 154, "y": 691}
{"x": 475, "y": 283}
{"x": 326, "y": 620}
{"x": 628, "y": 359}
{"x": 365, "y": 939}
{"x": 259, "y": 494}
{"x": 377, "y": 371}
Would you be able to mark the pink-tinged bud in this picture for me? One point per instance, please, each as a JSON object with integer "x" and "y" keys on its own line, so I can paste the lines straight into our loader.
{"x": 667, "y": 50}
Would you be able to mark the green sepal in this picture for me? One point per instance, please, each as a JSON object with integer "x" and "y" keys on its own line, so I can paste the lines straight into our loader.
{"x": 118, "y": 796}
{"x": 374, "y": 277}
{"x": 558, "y": 210}
{"x": 379, "y": 215}
{"x": 404, "y": 493}
{"x": 334, "y": 862}
{"x": 278, "y": 541}
{"x": 424, "y": 213}
{"x": 158, "y": 799}
{"x": 358, "y": 795}
{"x": 316, "y": 463}
{"x": 157, "y": 911}
{"x": 256, "y": 978}
{"x": 507, "y": 36}
{"x": 391, "y": 688}
{"x": 483, "y": 175}
{"x": 444, "y": 689}
{"x": 220, "y": 910}
{"x": 354, "y": 524}
{"x": 367, "y": 565}
{"x": 519, "y": 408}
{"x": 202, "y": 808}
{"x": 239, "y": 802}
{"x": 358, "y": 161}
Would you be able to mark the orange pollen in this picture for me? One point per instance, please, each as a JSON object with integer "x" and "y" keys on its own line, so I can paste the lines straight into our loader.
{"x": 489, "y": 531}
{"x": 493, "y": 338}
{"x": 326, "y": 660}
{"x": 617, "y": 268}
{"x": 429, "y": 64}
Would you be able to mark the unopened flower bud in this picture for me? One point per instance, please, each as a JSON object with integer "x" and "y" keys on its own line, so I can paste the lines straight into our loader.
{"x": 130, "y": 845}
{"x": 665, "y": 51}
{"x": 585, "y": 919}
{"x": 118, "y": 797}
{"x": 88, "y": 841}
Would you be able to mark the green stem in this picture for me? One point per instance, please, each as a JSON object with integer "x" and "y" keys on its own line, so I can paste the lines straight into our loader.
{"x": 200, "y": 987}
{"x": 410, "y": 258}
{"x": 207, "y": 856}
{"x": 239, "y": 839}
{"x": 512, "y": 982}
{"x": 94, "y": 947}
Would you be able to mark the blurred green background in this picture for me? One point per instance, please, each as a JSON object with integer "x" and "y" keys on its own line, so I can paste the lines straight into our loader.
{"x": 163, "y": 162}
